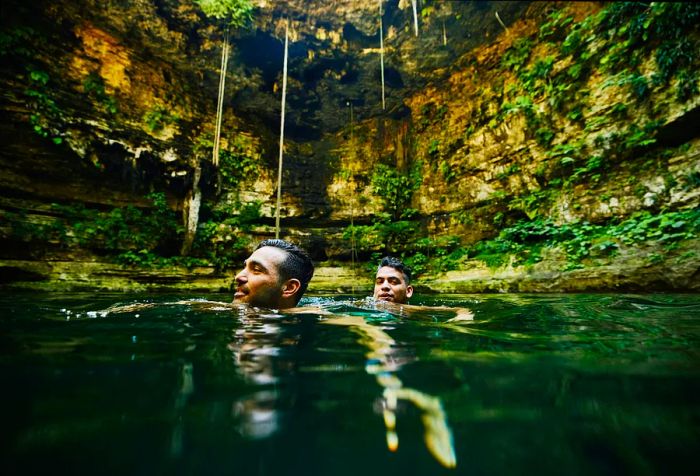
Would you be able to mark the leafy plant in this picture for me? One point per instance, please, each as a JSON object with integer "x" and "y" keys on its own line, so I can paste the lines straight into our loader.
{"x": 45, "y": 109}
{"x": 396, "y": 188}
{"x": 235, "y": 165}
{"x": 663, "y": 27}
{"x": 449, "y": 173}
{"x": 94, "y": 85}
{"x": 556, "y": 26}
{"x": 123, "y": 229}
{"x": 534, "y": 79}
{"x": 158, "y": 117}
{"x": 517, "y": 55}
{"x": 525, "y": 240}
{"x": 544, "y": 136}
{"x": 236, "y": 13}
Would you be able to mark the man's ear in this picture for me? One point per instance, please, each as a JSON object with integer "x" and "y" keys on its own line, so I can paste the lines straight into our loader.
{"x": 409, "y": 291}
{"x": 291, "y": 287}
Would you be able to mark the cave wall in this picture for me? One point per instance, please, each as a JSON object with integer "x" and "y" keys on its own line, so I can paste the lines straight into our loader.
{"x": 104, "y": 104}
{"x": 483, "y": 170}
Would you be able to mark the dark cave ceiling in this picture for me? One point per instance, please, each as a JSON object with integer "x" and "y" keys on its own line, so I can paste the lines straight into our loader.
{"x": 334, "y": 56}
{"x": 334, "y": 51}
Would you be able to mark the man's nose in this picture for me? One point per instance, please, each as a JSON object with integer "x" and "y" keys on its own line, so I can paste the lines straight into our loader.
{"x": 241, "y": 277}
{"x": 385, "y": 285}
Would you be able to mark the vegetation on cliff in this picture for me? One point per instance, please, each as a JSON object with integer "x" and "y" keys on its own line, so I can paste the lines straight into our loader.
{"x": 569, "y": 137}
{"x": 549, "y": 84}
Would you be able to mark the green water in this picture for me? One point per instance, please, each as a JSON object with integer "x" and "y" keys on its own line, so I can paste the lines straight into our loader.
{"x": 565, "y": 384}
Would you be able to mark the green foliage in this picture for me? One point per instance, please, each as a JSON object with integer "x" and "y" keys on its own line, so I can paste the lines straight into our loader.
{"x": 16, "y": 41}
{"x": 148, "y": 237}
{"x": 574, "y": 44}
{"x": 449, "y": 173}
{"x": 418, "y": 262}
{"x": 22, "y": 228}
{"x": 555, "y": 27}
{"x": 636, "y": 137}
{"x": 439, "y": 254}
{"x": 593, "y": 167}
{"x": 544, "y": 136}
{"x": 249, "y": 213}
{"x": 236, "y": 13}
{"x": 46, "y": 111}
{"x": 123, "y": 229}
{"x": 38, "y": 77}
{"x": 498, "y": 219}
{"x": 396, "y": 188}
{"x": 441, "y": 112}
{"x": 566, "y": 155}
{"x": 219, "y": 244}
{"x": 637, "y": 83}
{"x": 672, "y": 56}
{"x": 235, "y": 165}
{"x": 525, "y": 240}
{"x": 434, "y": 147}
{"x": 660, "y": 27}
{"x": 535, "y": 79}
{"x": 148, "y": 259}
{"x": 521, "y": 104}
{"x": 464, "y": 217}
{"x": 158, "y": 117}
{"x": 385, "y": 235}
{"x": 203, "y": 144}
{"x": 510, "y": 170}
{"x": 687, "y": 85}
{"x": 431, "y": 113}
{"x": 94, "y": 86}
{"x": 630, "y": 31}
{"x": 494, "y": 253}
{"x": 517, "y": 55}
{"x": 399, "y": 239}
{"x": 692, "y": 180}
{"x": 439, "y": 163}
{"x": 530, "y": 203}
{"x": 221, "y": 238}
{"x": 664, "y": 227}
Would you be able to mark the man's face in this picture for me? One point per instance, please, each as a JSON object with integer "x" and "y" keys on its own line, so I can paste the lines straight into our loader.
{"x": 259, "y": 283}
{"x": 390, "y": 285}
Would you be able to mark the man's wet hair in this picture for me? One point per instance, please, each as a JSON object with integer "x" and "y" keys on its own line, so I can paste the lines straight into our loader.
{"x": 398, "y": 265}
{"x": 297, "y": 264}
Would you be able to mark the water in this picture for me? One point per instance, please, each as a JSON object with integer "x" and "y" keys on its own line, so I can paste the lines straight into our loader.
{"x": 565, "y": 384}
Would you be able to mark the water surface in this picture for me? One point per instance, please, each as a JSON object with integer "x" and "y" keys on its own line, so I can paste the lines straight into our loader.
{"x": 536, "y": 384}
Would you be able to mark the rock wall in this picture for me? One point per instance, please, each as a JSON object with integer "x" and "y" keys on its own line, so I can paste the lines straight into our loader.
{"x": 104, "y": 105}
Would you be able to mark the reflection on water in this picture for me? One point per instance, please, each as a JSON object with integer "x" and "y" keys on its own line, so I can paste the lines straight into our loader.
{"x": 583, "y": 384}
{"x": 262, "y": 348}
{"x": 382, "y": 363}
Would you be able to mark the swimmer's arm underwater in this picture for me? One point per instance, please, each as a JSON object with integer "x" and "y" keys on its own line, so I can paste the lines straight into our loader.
{"x": 461, "y": 314}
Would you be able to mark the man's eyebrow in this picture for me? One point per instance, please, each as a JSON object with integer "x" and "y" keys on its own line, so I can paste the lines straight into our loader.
{"x": 256, "y": 263}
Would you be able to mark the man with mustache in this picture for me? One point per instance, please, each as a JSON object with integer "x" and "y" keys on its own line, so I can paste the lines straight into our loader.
{"x": 275, "y": 276}
{"x": 392, "y": 282}
{"x": 392, "y": 290}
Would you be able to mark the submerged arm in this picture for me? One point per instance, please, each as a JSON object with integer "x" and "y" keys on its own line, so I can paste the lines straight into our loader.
{"x": 462, "y": 314}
